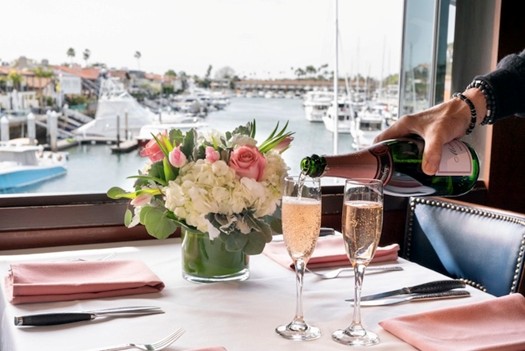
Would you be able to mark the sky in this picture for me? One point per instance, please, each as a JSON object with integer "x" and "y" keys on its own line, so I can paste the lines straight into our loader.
{"x": 256, "y": 38}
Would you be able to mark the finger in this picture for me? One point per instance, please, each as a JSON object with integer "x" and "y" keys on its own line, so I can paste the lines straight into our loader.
{"x": 396, "y": 130}
{"x": 432, "y": 155}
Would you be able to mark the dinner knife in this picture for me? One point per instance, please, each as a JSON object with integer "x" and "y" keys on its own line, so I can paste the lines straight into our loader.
{"x": 71, "y": 317}
{"x": 431, "y": 287}
{"x": 419, "y": 297}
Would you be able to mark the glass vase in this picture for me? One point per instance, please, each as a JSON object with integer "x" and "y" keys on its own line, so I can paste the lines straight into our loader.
{"x": 206, "y": 261}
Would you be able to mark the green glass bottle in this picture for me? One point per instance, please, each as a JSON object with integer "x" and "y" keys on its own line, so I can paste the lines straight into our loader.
{"x": 397, "y": 163}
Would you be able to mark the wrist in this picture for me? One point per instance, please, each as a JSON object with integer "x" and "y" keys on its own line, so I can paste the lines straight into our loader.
{"x": 473, "y": 112}
{"x": 478, "y": 99}
{"x": 482, "y": 92}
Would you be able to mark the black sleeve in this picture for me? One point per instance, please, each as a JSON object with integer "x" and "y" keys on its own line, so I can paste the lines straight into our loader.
{"x": 508, "y": 85}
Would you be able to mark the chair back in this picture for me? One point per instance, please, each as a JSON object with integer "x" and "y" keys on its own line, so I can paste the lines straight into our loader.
{"x": 483, "y": 246}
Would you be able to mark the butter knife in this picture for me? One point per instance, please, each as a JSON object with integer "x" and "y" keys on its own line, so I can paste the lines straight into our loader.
{"x": 419, "y": 297}
{"x": 71, "y": 317}
{"x": 431, "y": 287}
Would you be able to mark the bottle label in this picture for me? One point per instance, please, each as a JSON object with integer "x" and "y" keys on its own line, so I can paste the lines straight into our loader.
{"x": 456, "y": 160}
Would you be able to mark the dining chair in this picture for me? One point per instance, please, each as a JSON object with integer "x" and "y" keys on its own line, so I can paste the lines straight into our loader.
{"x": 480, "y": 245}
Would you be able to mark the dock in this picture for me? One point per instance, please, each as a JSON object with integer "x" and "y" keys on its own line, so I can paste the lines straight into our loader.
{"x": 124, "y": 146}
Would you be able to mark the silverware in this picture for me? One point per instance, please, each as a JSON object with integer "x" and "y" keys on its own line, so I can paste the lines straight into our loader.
{"x": 419, "y": 297}
{"x": 431, "y": 287}
{"x": 155, "y": 346}
{"x": 71, "y": 317}
{"x": 369, "y": 270}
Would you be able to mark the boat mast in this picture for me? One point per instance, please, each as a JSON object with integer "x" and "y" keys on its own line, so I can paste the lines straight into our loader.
{"x": 336, "y": 73}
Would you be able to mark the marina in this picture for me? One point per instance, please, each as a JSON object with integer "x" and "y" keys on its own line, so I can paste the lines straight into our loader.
{"x": 92, "y": 167}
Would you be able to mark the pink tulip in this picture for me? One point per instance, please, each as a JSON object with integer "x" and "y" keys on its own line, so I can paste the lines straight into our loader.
{"x": 284, "y": 144}
{"x": 212, "y": 155}
{"x": 152, "y": 150}
{"x": 177, "y": 158}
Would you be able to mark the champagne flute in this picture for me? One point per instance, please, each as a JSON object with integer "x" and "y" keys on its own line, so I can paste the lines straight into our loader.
{"x": 362, "y": 224}
{"x": 301, "y": 217}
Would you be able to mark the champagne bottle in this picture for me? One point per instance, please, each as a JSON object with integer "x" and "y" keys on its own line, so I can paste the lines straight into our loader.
{"x": 397, "y": 163}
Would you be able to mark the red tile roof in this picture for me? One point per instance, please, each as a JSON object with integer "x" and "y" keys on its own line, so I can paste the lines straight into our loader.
{"x": 90, "y": 73}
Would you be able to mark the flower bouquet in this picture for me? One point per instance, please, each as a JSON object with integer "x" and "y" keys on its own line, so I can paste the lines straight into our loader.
{"x": 224, "y": 186}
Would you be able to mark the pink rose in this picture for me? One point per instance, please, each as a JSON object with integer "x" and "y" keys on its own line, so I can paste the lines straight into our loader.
{"x": 212, "y": 155}
{"x": 247, "y": 161}
{"x": 177, "y": 158}
{"x": 152, "y": 150}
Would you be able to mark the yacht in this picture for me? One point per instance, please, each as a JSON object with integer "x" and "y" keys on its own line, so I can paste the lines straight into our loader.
{"x": 369, "y": 122}
{"x": 120, "y": 114}
{"x": 345, "y": 117}
{"x": 316, "y": 104}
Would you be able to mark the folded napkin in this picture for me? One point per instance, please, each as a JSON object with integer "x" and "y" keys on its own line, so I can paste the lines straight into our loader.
{"x": 329, "y": 252}
{"x": 495, "y": 325}
{"x": 76, "y": 280}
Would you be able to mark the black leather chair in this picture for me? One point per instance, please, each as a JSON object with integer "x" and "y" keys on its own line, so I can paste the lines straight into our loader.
{"x": 483, "y": 246}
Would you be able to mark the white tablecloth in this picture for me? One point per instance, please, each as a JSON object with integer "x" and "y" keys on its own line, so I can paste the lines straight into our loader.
{"x": 236, "y": 315}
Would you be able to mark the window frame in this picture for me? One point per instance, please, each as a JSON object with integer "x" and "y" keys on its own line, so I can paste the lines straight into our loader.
{"x": 64, "y": 219}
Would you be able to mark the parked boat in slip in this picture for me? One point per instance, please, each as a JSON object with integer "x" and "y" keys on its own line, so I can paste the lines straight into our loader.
{"x": 345, "y": 115}
{"x": 120, "y": 115}
{"x": 316, "y": 103}
{"x": 22, "y": 165}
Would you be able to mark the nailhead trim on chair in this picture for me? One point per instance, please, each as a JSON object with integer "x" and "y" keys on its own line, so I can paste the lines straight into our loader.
{"x": 478, "y": 212}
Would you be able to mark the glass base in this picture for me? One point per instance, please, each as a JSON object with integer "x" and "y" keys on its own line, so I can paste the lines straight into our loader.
{"x": 237, "y": 276}
{"x": 207, "y": 261}
{"x": 362, "y": 338}
{"x": 298, "y": 331}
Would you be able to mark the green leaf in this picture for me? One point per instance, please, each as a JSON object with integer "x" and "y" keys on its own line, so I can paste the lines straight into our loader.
{"x": 156, "y": 221}
{"x": 169, "y": 172}
{"x": 234, "y": 241}
{"x": 119, "y": 193}
{"x": 128, "y": 217}
{"x": 188, "y": 143}
{"x": 177, "y": 136}
{"x": 255, "y": 244}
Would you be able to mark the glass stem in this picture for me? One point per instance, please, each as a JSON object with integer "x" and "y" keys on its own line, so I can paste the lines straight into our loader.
{"x": 359, "y": 271}
{"x": 299, "y": 273}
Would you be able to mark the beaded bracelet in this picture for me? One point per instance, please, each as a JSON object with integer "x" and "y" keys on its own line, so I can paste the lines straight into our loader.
{"x": 486, "y": 89}
{"x": 473, "y": 115}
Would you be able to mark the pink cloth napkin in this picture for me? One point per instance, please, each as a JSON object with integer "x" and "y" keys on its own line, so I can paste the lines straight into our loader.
{"x": 329, "y": 252}
{"x": 495, "y": 325}
{"x": 76, "y": 280}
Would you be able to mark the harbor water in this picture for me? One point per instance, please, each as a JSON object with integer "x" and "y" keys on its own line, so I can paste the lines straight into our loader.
{"x": 93, "y": 168}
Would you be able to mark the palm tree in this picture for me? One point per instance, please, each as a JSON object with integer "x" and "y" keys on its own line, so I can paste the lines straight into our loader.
{"x": 71, "y": 54}
{"x": 138, "y": 55}
{"x": 41, "y": 73}
{"x": 86, "y": 55}
{"x": 15, "y": 78}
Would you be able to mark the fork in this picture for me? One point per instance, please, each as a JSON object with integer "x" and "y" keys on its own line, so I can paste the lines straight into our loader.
{"x": 371, "y": 270}
{"x": 155, "y": 346}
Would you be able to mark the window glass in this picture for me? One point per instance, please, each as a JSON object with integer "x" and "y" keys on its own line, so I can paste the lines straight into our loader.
{"x": 261, "y": 57}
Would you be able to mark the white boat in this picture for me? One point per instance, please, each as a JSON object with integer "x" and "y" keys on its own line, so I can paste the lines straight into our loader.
{"x": 367, "y": 125}
{"x": 316, "y": 104}
{"x": 118, "y": 113}
{"x": 345, "y": 117}
{"x": 24, "y": 165}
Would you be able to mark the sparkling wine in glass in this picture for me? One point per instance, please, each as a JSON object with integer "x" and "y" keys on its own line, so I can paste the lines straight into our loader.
{"x": 362, "y": 223}
{"x": 301, "y": 217}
